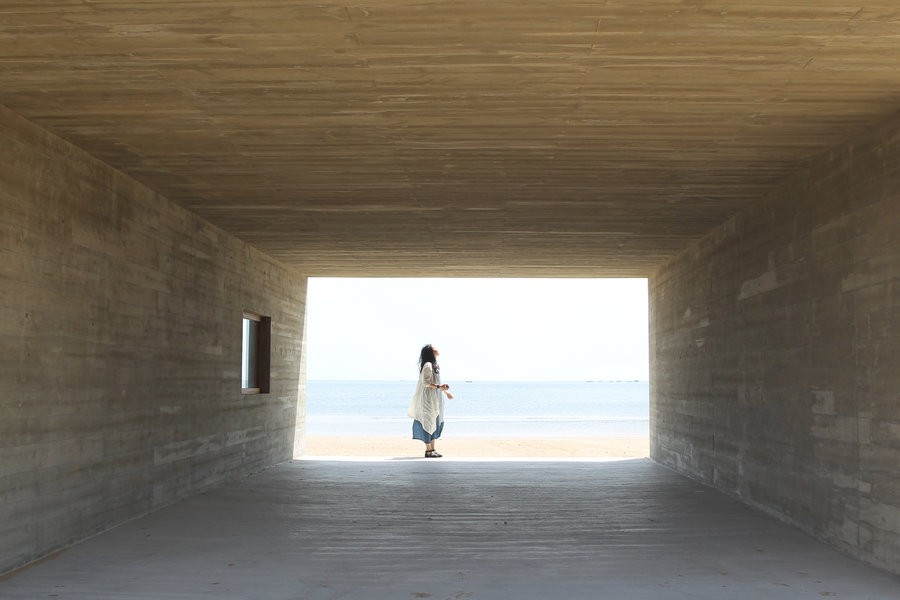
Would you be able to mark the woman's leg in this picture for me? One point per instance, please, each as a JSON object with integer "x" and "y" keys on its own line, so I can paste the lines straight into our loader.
{"x": 437, "y": 434}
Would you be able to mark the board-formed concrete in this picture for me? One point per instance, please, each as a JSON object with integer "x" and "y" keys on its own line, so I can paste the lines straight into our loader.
{"x": 487, "y": 138}
{"x": 775, "y": 352}
{"x": 442, "y": 530}
{"x": 120, "y": 348}
{"x": 455, "y": 137}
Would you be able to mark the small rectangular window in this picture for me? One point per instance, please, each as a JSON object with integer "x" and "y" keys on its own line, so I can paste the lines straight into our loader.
{"x": 255, "y": 354}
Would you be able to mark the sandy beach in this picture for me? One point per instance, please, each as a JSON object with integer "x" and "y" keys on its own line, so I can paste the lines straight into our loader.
{"x": 607, "y": 447}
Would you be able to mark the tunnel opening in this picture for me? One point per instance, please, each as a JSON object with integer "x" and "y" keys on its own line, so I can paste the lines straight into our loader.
{"x": 537, "y": 367}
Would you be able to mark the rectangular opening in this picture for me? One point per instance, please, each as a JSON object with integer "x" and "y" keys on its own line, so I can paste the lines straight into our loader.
{"x": 537, "y": 367}
{"x": 255, "y": 353}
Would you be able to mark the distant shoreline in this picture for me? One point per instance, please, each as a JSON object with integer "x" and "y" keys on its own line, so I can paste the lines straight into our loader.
{"x": 377, "y": 446}
{"x": 522, "y": 382}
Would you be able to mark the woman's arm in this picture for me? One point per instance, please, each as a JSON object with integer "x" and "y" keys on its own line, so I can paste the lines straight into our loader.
{"x": 428, "y": 378}
{"x": 428, "y": 375}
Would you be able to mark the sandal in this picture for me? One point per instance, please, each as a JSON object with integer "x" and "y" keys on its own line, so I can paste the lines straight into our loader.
{"x": 432, "y": 454}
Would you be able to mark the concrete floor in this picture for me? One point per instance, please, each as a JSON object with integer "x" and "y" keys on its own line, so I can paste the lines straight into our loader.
{"x": 442, "y": 529}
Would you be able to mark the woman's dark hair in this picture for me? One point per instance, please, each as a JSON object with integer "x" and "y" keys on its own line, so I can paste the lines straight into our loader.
{"x": 427, "y": 356}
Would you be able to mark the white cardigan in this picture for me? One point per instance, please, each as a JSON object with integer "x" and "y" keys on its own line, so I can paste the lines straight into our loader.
{"x": 427, "y": 403}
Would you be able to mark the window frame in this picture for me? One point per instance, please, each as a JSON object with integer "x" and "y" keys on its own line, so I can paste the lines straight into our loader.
{"x": 261, "y": 352}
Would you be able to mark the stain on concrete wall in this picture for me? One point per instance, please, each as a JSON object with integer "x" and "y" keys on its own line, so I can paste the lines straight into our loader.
{"x": 120, "y": 348}
{"x": 792, "y": 400}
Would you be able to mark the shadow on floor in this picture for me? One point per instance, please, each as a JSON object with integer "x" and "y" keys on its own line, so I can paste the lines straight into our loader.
{"x": 413, "y": 528}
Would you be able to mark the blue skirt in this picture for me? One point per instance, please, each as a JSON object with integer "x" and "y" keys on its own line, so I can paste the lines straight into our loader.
{"x": 419, "y": 432}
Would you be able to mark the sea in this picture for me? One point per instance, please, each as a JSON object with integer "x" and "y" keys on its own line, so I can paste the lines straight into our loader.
{"x": 484, "y": 409}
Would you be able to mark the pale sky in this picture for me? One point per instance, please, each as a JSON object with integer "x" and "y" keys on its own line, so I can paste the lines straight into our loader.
{"x": 485, "y": 329}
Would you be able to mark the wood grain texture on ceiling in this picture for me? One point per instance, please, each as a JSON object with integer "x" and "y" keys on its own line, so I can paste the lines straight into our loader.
{"x": 464, "y": 138}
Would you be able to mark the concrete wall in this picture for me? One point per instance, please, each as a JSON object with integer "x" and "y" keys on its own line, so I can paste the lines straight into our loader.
{"x": 120, "y": 348}
{"x": 775, "y": 352}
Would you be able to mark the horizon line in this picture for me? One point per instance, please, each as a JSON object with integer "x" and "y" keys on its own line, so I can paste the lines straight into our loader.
{"x": 495, "y": 380}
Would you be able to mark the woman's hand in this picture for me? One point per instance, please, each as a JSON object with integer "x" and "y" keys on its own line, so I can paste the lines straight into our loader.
{"x": 449, "y": 395}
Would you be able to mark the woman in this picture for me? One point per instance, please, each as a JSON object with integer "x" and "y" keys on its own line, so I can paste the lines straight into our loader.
{"x": 427, "y": 406}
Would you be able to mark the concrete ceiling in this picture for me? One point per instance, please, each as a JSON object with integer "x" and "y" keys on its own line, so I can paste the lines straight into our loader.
{"x": 463, "y": 138}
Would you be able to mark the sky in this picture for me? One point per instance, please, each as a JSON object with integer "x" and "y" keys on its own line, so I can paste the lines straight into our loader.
{"x": 485, "y": 329}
